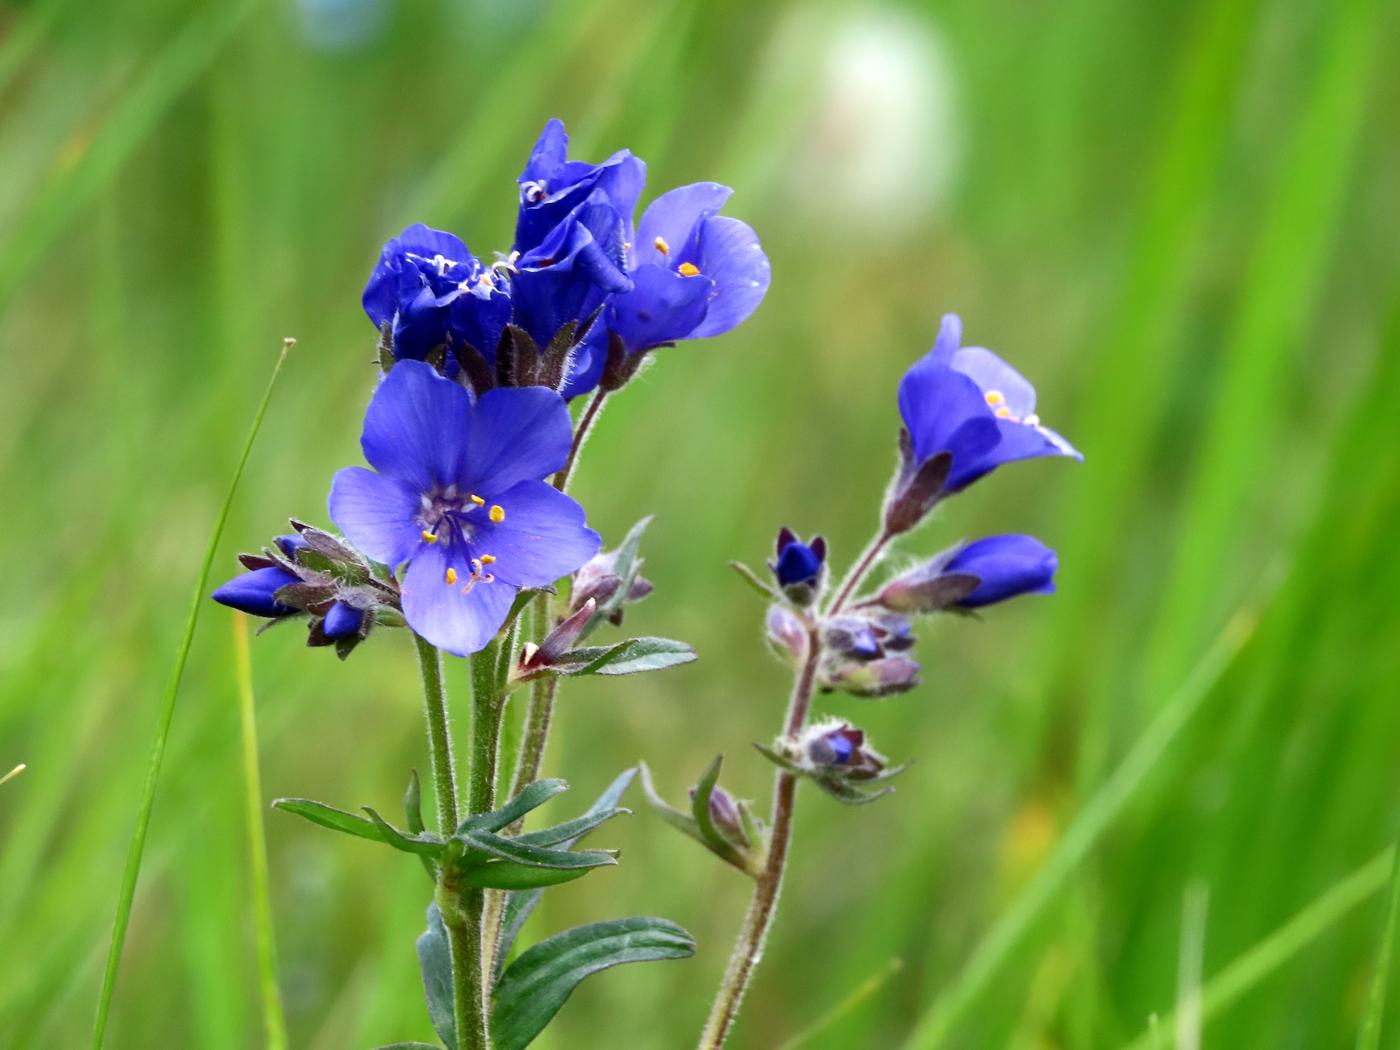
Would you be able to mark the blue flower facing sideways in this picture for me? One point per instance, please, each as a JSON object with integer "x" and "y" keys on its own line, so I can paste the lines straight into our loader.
{"x": 975, "y": 574}
{"x": 457, "y": 493}
{"x": 970, "y": 406}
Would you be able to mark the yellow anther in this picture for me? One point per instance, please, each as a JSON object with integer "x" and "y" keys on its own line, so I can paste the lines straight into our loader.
{"x": 995, "y": 397}
{"x": 688, "y": 270}
{"x": 451, "y": 576}
{"x": 478, "y": 500}
{"x": 497, "y": 513}
{"x": 660, "y": 245}
{"x": 429, "y": 537}
{"x": 1003, "y": 412}
{"x": 488, "y": 559}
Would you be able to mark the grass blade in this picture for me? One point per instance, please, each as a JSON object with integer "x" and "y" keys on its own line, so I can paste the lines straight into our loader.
{"x": 1370, "y": 1035}
{"x": 1284, "y": 943}
{"x": 13, "y": 773}
{"x": 1001, "y": 942}
{"x": 132, "y": 871}
{"x": 863, "y": 991}
{"x": 274, "y": 1019}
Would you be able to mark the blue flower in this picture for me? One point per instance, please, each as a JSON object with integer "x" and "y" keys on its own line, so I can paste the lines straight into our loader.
{"x": 975, "y": 574}
{"x": 696, "y": 273}
{"x": 552, "y": 187}
{"x": 457, "y": 493}
{"x": 1005, "y": 566}
{"x": 971, "y": 404}
{"x": 252, "y": 592}
{"x": 435, "y": 292}
{"x": 799, "y": 566}
{"x": 342, "y": 620}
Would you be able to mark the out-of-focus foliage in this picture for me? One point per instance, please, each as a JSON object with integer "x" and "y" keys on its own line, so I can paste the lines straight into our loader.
{"x": 1179, "y": 220}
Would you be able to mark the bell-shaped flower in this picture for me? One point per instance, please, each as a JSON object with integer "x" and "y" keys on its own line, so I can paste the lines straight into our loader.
{"x": 970, "y": 576}
{"x": 457, "y": 493}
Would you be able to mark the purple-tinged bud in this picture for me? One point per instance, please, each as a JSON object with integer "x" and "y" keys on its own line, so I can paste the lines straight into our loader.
{"x": 838, "y": 748}
{"x": 724, "y": 812}
{"x": 599, "y": 581}
{"x": 874, "y": 678}
{"x": 787, "y": 634}
{"x": 851, "y": 636}
{"x": 562, "y": 638}
{"x": 800, "y": 568}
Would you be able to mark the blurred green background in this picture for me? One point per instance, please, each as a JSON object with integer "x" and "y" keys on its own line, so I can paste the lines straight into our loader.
{"x": 1180, "y": 220}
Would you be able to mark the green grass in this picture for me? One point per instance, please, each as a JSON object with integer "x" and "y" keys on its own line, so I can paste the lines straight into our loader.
{"x": 1180, "y": 220}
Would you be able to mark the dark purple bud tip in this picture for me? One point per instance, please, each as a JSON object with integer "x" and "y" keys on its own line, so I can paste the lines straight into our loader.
{"x": 342, "y": 621}
{"x": 252, "y": 592}
{"x": 799, "y": 567}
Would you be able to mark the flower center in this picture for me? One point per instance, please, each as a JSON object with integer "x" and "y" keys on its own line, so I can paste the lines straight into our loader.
{"x": 996, "y": 400}
{"x": 446, "y": 516}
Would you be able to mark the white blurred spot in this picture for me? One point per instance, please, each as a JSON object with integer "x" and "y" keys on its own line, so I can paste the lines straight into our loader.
{"x": 876, "y": 143}
{"x": 340, "y": 25}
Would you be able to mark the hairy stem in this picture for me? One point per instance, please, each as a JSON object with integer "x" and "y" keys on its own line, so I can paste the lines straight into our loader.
{"x": 858, "y": 572}
{"x": 585, "y": 424}
{"x": 762, "y": 908}
{"x": 439, "y": 735}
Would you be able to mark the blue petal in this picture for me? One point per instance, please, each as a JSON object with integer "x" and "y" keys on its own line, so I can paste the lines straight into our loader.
{"x": 549, "y": 154}
{"x": 342, "y": 620}
{"x": 587, "y": 362}
{"x": 1007, "y": 566}
{"x": 936, "y": 403}
{"x": 542, "y": 538}
{"x": 416, "y": 427}
{"x": 517, "y": 434}
{"x": 731, "y": 256}
{"x": 453, "y": 616}
{"x": 673, "y": 217}
{"x": 949, "y": 339}
{"x": 381, "y": 295}
{"x": 797, "y": 563}
{"x": 991, "y": 373}
{"x": 251, "y": 592}
{"x": 378, "y": 514}
{"x": 1018, "y": 441}
{"x": 662, "y": 306}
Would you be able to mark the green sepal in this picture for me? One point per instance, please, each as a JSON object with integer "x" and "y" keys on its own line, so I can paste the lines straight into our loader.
{"x": 759, "y": 584}
{"x": 780, "y": 760}
{"x": 537, "y": 984}
{"x": 700, "y": 810}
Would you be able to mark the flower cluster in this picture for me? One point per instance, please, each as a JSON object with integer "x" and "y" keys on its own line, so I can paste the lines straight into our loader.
{"x": 456, "y": 518}
{"x": 584, "y": 292}
{"x": 965, "y": 413}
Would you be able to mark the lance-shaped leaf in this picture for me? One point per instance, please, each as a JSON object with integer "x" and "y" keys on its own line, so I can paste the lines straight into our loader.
{"x": 509, "y": 875}
{"x": 330, "y": 817}
{"x": 532, "y": 856}
{"x": 435, "y": 962}
{"x": 520, "y": 905}
{"x": 759, "y": 584}
{"x": 689, "y": 823}
{"x": 413, "y": 803}
{"x": 532, "y": 796}
{"x": 571, "y": 829}
{"x": 424, "y": 845}
{"x": 630, "y": 656}
{"x": 536, "y": 985}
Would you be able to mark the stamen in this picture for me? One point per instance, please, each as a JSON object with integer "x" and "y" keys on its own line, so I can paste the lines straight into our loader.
{"x": 478, "y": 500}
{"x": 688, "y": 270}
{"x": 995, "y": 397}
{"x": 488, "y": 559}
{"x": 1003, "y": 412}
{"x": 497, "y": 513}
{"x": 429, "y": 537}
{"x": 660, "y": 245}
{"x": 450, "y": 577}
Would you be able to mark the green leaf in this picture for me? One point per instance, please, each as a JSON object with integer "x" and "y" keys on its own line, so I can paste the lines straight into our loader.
{"x": 435, "y": 962}
{"x": 571, "y": 829}
{"x": 532, "y": 796}
{"x": 758, "y": 583}
{"x": 630, "y": 656}
{"x": 424, "y": 845}
{"x": 522, "y": 852}
{"x": 508, "y": 875}
{"x": 670, "y": 814}
{"x": 520, "y": 905}
{"x": 409, "y": 1046}
{"x": 700, "y": 810}
{"x": 330, "y": 817}
{"x": 536, "y": 985}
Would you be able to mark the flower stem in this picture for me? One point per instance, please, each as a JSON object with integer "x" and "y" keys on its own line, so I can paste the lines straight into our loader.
{"x": 463, "y": 937}
{"x": 748, "y": 949}
{"x": 585, "y": 424}
{"x": 866, "y": 562}
{"x": 762, "y": 908}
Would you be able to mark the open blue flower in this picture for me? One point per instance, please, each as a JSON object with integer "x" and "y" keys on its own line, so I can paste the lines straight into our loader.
{"x": 696, "y": 273}
{"x": 434, "y": 291}
{"x": 972, "y": 405}
{"x": 1005, "y": 567}
{"x": 457, "y": 493}
{"x": 552, "y": 187}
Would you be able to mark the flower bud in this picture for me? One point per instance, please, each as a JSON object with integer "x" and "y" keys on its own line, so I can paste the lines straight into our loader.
{"x": 800, "y": 568}
{"x": 598, "y": 581}
{"x": 851, "y": 636}
{"x": 838, "y": 748}
{"x": 342, "y": 621}
{"x": 874, "y": 678}
{"x": 724, "y": 812}
{"x": 786, "y": 634}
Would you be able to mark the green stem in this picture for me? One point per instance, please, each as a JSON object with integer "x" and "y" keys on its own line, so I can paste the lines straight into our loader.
{"x": 439, "y": 735}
